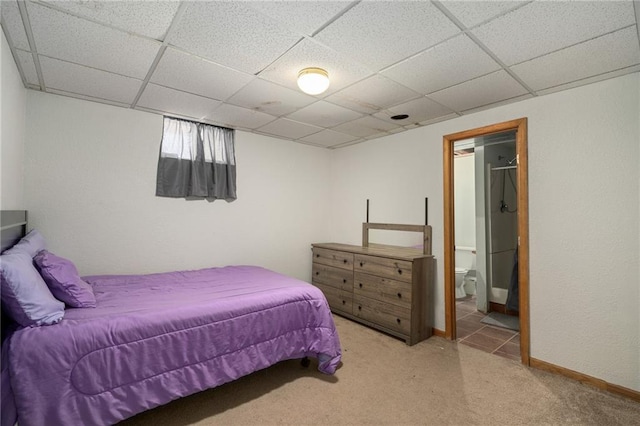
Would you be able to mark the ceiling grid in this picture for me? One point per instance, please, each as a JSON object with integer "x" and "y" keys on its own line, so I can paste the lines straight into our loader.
{"x": 235, "y": 63}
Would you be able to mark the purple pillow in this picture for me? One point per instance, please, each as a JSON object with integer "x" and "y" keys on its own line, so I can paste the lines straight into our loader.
{"x": 32, "y": 243}
{"x": 63, "y": 280}
{"x": 25, "y": 296}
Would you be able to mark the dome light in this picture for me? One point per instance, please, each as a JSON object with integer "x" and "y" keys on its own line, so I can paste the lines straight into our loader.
{"x": 313, "y": 81}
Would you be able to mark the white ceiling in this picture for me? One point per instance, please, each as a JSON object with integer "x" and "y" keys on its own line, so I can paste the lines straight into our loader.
{"x": 235, "y": 63}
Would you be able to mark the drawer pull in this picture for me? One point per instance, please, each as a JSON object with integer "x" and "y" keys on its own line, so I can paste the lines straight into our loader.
{"x": 398, "y": 320}
{"x": 317, "y": 273}
{"x": 359, "y": 308}
{"x": 399, "y": 271}
{"x": 345, "y": 261}
{"x": 344, "y": 302}
{"x": 399, "y": 295}
{"x": 344, "y": 280}
{"x": 361, "y": 264}
{"x": 360, "y": 285}
{"x": 317, "y": 255}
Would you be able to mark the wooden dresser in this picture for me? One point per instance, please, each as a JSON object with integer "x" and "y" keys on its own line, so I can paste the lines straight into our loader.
{"x": 384, "y": 287}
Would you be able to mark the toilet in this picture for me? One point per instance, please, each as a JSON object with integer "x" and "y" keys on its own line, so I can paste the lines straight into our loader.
{"x": 460, "y": 275}
{"x": 465, "y": 258}
{"x": 470, "y": 283}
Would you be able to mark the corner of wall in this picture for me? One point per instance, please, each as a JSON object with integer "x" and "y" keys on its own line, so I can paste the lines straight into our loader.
{"x": 12, "y": 131}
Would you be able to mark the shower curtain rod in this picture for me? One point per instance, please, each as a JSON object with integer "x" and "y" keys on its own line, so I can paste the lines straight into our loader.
{"x": 504, "y": 168}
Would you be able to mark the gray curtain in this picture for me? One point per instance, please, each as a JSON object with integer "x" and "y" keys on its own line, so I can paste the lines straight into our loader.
{"x": 197, "y": 161}
{"x": 513, "y": 296}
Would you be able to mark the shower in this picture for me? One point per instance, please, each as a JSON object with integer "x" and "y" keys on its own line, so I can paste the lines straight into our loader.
{"x": 501, "y": 223}
{"x": 486, "y": 217}
{"x": 507, "y": 169}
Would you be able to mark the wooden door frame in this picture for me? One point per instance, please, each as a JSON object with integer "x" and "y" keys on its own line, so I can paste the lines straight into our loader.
{"x": 520, "y": 125}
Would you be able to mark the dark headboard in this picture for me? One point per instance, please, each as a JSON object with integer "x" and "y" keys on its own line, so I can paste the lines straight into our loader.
{"x": 13, "y": 226}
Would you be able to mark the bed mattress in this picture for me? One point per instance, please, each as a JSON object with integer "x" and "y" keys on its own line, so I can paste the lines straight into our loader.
{"x": 155, "y": 338}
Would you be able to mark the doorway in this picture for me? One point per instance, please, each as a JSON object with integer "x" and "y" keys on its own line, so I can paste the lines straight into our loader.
{"x": 495, "y": 261}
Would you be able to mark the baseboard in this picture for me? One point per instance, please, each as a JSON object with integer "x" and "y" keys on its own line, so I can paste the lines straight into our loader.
{"x": 586, "y": 379}
{"x": 621, "y": 390}
{"x": 436, "y": 332}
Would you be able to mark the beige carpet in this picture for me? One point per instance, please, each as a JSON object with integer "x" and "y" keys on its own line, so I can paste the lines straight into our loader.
{"x": 384, "y": 381}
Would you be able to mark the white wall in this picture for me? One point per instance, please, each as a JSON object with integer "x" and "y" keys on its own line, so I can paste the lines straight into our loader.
{"x": 12, "y": 131}
{"x": 465, "y": 200}
{"x": 584, "y": 204}
{"x": 482, "y": 290}
{"x": 91, "y": 175}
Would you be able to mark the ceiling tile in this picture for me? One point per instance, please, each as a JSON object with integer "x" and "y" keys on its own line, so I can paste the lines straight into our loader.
{"x": 412, "y": 126}
{"x": 418, "y": 110}
{"x": 380, "y": 33}
{"x": 76, "y": 40}
{"x": 397, "y": 130}
{"x": 262, "y": 95}
{"x": 87, "y": 81}
{"x": 323, "y": 114}
{"x": 28, "y": 66}
{"x": 304, "y": 17}
{"x": 376, "y": 136}
{"x": 12, "y": 23}
{"x": 439, "y": 119}
{"x": 233, "y": 116}
{"x": 148, "y": 18}
{"x": 176, "y": 102}
{"x": 472, "y": 13}
{"x": 542, "y": 27}
{"x": 372, "y": 95}
{"x": 329, "y": 138}
{"x": 499, "y": 103}
{"x": 343, "y": 145}
{"x": 442, "y": 66}
{"x": 615, "y": 50}
{"x": 365, "y": 127}
{"x": 289, "y": 129}
{"x": 594, "y": 79}
{"x": 484, "y": 90}
{"x": 192, "y": 74}
{"x": 87, "y": 98}
{"x": 342, "y": 71}
{"x": 232, "y": 34}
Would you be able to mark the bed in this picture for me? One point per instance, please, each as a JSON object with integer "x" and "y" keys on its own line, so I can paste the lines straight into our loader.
{"x": 155, "y": 338}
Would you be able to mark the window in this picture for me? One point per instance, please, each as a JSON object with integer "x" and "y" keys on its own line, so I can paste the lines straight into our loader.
{"x": 197, "y": 160}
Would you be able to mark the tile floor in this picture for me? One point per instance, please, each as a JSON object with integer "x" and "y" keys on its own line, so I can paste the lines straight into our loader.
{"x": 471, "y": 332}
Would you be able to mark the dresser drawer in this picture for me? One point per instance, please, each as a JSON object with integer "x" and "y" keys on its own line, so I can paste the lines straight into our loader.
{"x": 334, "y": 277}
{"x": 384, "y": 267}
{"x": 385, "y": 314}
{"x": 383, "y": 289}
{"x": 337, "y": 259}
{"x": 339, "y": 300}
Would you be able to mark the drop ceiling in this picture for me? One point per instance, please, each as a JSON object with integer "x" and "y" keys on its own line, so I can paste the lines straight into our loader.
{"x": 235, "y": 63}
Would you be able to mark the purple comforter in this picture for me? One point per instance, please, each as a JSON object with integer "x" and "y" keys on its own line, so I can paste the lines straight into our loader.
{"x": 155, "y": 338}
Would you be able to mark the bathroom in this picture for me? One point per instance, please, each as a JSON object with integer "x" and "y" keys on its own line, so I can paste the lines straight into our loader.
{"x": 486, "y": 226}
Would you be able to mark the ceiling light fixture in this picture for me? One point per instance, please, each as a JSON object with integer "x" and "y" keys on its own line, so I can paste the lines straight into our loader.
{"x": 313, "y": 81}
